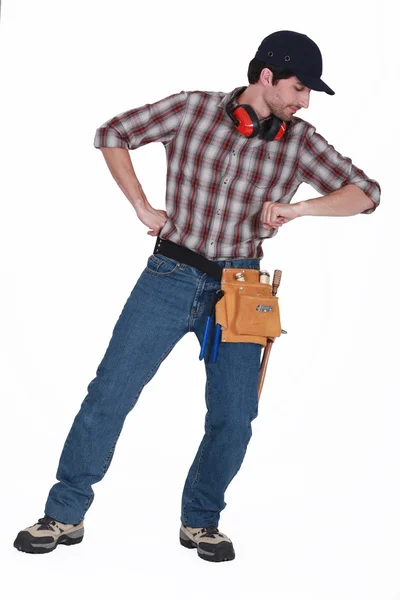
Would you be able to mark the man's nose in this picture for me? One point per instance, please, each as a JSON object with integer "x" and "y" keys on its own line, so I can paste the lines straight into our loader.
{"x": 305, "y": 99}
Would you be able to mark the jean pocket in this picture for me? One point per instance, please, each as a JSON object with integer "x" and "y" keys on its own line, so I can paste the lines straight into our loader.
{"x": 161, "y": 265}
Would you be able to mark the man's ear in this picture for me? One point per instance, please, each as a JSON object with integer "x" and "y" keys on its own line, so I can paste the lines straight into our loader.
{"x": 266, "y": 76}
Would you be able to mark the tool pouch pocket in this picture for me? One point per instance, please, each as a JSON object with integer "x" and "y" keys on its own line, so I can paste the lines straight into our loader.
{"x": 258, "y": 315}
{"x": 248, "y": 312}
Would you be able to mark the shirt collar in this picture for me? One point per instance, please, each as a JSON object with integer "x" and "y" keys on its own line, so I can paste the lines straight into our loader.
{"x": 225, "y": 100}
{"x": 237, "y": 91}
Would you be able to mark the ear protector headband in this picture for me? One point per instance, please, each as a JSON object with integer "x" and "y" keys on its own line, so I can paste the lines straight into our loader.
{"x": 247, "y": 123}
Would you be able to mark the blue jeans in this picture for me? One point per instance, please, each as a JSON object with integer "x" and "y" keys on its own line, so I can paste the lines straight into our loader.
{"x": 169, "y": 300}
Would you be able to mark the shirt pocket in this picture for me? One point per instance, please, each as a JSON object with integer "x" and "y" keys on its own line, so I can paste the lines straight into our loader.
{"x": 262, "y": 167}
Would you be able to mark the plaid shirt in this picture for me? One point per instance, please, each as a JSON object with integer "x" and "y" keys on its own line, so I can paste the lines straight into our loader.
{"x": 218, "y": 180}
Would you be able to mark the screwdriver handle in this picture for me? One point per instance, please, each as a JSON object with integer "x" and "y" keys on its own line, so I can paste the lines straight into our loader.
{"x": 217, "y": 340}
{"x": 205, "y": 338}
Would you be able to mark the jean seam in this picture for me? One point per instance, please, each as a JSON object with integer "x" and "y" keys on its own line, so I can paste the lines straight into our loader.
{"x": 87, "y": 505}
{"x": 155, "y": 259}
{"x": 161, "y": 274}
{"x": 208, "y": 432}
{"x": 200, "y": 288}
{"x": 151, "y": 373}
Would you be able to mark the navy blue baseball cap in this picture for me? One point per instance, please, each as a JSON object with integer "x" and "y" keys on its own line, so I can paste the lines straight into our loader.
{"x": 297, "y": 52}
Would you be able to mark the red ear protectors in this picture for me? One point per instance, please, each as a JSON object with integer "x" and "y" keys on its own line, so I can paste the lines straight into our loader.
{"x": 247, "y": 123}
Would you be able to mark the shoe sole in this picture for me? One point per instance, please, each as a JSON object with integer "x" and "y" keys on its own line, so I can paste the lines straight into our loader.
{"x": 25, "y": 542}
{"x": 223, "y": 552}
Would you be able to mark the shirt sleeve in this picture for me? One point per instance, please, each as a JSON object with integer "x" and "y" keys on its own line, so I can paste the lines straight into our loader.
{"x": 158, "y": 122}
{"x": 326, "y": 170}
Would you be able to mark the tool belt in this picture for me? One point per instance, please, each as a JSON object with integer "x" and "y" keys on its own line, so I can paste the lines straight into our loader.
{"x": 248, "y": 310}
{"x": 245, "y": 311}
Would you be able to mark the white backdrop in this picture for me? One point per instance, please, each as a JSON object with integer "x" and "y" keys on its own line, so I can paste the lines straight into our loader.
{"x": 314, "y": 511}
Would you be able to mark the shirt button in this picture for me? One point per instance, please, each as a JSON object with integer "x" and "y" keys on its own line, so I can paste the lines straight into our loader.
{"x": 226, "y": 181}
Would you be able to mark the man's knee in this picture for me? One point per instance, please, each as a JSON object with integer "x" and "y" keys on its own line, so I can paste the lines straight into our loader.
{"x": 235, "y": 425}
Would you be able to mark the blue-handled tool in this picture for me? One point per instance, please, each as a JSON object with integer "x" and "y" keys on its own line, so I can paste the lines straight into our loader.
{"x": 205, "y": 338}
{"x": 207, "y": 331}
{"x": 217, "y": 340}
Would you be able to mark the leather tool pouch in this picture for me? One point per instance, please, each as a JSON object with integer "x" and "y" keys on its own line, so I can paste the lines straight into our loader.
{"x": 248, "y": 312}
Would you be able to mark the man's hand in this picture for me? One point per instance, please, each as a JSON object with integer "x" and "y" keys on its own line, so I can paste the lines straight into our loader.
{"x": 154, "y": 218}
{"x": 119, "y": 162}
{"x": 274, "y": 214}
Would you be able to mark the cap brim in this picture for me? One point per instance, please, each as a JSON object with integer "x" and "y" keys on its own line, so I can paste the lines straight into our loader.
{"x": 315, "y": 84}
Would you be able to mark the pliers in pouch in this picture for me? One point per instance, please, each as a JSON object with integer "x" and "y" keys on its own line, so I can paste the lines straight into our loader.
{"x": 207, "y": 334}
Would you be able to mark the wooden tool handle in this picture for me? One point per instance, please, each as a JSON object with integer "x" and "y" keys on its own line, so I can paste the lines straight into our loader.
{"x": 263, "y": 367}
{"x": 276, "y": 281}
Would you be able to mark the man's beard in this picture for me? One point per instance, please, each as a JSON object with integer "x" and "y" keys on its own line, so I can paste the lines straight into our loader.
{"x": 281, "y": 110}
{"x": 283, "y": 114}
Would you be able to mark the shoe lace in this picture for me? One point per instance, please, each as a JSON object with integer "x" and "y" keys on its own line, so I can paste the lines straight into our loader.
{"x": 210, "y": 531}
{"x": 46, "y": 523}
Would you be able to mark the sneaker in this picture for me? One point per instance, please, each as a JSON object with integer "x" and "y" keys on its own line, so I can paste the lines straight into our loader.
{"x": 46, "y": 534}
{"x": 211, "y": 544}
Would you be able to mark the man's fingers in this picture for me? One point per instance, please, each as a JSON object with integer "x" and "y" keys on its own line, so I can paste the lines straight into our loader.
{"x": 273, "y": 215}
{"x": 270, "y": 226}
{"x": 267, "y": 213}
{"x": 275, "y": 218}
{"x": 270, "y": 214}
{"x": 272, "y": 220}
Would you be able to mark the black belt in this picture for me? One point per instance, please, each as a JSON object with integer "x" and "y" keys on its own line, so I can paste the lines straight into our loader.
{"x": 188, "y": 257}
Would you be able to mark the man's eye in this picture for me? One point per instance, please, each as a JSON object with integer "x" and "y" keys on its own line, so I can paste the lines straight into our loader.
{"x": 299, "y": 89}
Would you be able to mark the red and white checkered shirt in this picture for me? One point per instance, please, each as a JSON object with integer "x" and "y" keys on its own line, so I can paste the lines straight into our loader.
{"x": 218, "y": 180}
